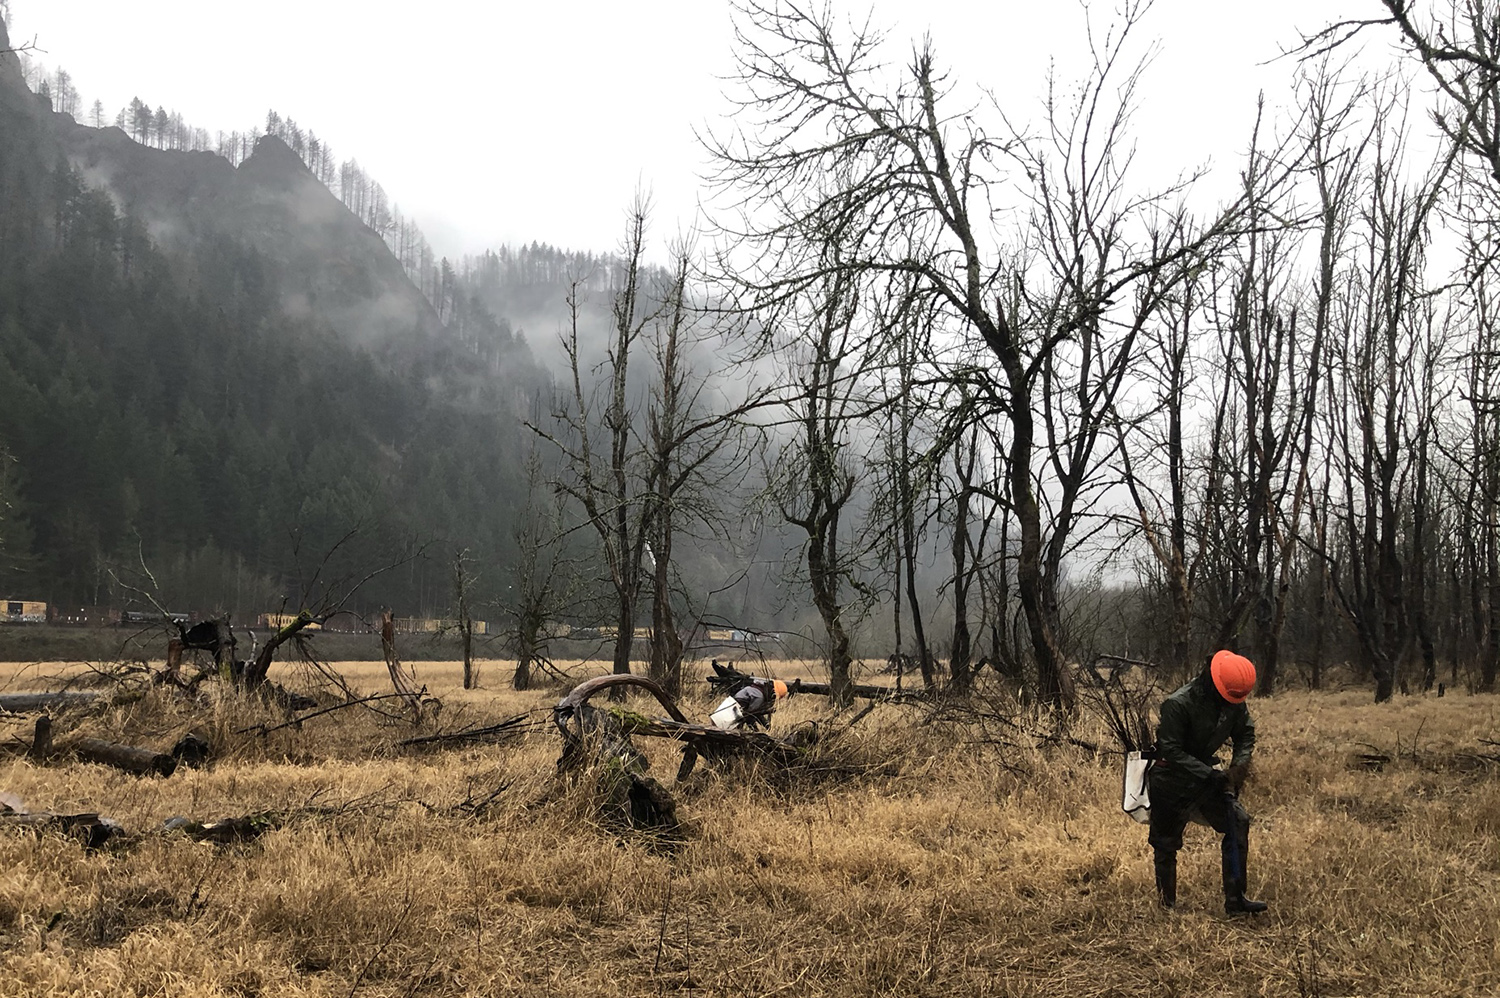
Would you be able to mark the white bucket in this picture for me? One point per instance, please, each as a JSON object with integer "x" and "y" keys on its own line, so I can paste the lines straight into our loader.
{"x": 727, "y": 714}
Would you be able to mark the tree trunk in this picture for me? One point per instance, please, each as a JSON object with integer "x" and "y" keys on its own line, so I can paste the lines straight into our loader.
{"x": 174, "y": 659}
{"x": 959, "y": 656}
{"x": 666, "y": 643}
{"x": 825, "y": 598}
{"x": 1385, "y": 680}
{"x": 624, "y": 635}
{"x": 919, "y": 632}
{"x": 524, "y": 655}
{"x": 131, "y": 759}
{"x": 907, "y": 500}
{"x": 1492, "y": 644}
{"x": 896, "y": 621}
{"x": 255, "y": 673}
{"x": 467, "y": 629}
{"x": 401, "y": 684}
{"x": 1053, "y": 688}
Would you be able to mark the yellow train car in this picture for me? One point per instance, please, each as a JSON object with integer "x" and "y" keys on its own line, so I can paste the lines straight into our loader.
{"x": 611, "y": 632}
{"x": 22, "y": 611}
{"x": 276, "y": 621}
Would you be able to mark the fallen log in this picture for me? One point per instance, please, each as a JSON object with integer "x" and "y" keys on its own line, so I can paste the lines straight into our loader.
{"x": 26, "y": 703}
{"x": 705, "y": 739}
{"x": 94, "y": 831}
{"x": 130, "y": 758}
{"x": 862, "y": 690}
{"x": 88, "y": 828}
{"x": 727, "y": 679}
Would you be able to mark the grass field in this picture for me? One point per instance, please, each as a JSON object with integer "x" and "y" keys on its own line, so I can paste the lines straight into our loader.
{"x": 936, "y": 862}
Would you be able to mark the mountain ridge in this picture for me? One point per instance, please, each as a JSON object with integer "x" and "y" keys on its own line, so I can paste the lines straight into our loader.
{"x": 218, "y": 370}
{"x": 326, "y": 259}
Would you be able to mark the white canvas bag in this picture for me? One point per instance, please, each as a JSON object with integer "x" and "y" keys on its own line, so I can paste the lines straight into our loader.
{"x": 1135, "y": 791}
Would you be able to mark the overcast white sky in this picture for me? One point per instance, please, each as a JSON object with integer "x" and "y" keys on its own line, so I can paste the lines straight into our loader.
{"x": 505, "y": 122}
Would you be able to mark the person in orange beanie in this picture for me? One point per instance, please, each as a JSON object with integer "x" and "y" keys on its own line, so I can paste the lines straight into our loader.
{"x": 1188, "y": 786}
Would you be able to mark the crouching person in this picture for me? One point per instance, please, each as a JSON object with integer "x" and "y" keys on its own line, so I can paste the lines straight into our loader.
{"x": 1187, "y": 786}
{"x": 750, "y": 705}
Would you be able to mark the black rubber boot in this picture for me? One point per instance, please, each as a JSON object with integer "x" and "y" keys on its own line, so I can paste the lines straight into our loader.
{"x": 1238, "y": 904}
{"x": 1235, "y": 902}
{"x": 1236, "y": 860}
{"x": 1166, "y": 879}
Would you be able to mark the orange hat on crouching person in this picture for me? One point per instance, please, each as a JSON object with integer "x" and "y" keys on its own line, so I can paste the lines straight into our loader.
{"x": 1233, "y": 675}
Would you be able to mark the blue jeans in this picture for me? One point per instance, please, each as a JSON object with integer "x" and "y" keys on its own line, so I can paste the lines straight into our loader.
{"x": 1220, "y": 811}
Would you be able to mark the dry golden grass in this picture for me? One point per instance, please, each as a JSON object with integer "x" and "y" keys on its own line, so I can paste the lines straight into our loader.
{"x": 947, "y": 874}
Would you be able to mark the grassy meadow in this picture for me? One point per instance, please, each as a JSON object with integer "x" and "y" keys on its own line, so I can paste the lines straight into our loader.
{"x": 953, "y": 856}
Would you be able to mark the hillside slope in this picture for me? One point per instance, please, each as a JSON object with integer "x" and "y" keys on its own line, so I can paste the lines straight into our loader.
{"x": 326, "y": 263}
{"x": 217, "y": 371}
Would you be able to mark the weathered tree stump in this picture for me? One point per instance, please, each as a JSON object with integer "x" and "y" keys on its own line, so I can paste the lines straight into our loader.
{"x": 192, "y": 750}
{"x": 41, "y": 740}
{"x": 625, "y": 795}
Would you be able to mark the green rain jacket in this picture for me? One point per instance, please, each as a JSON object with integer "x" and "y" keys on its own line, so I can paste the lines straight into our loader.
{"x": 1195, "y": 722}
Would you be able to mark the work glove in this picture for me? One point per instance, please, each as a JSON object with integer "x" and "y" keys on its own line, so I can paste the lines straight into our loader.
{"x": 1237, "y": 774}
{"x": 1218, "y": 782}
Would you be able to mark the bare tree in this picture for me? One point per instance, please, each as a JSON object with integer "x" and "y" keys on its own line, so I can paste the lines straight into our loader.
{"x": 602, "y": 466}
{"x": 463, "y": 588}
{"x": 974, "y": 504}
{"x": 823, "y": 144}
{"x": 1335, "y": 163}
{"x": 815, "y": 475}
{"x": 668, "y": 412}
{"x": 899, "y": 512}
{"x": 965, "y": 456}
{"x": 1162, "y": 511}
{"x": 1374, "y": 422}
{"x": 695, "y": 443}
{"x": 1430, "y": 351}
{"x": 1473, "y": 484}
{"x": 1264, "y": 405}
{"x": 1458, "y": 44}
{"x": 542, "y": 586}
